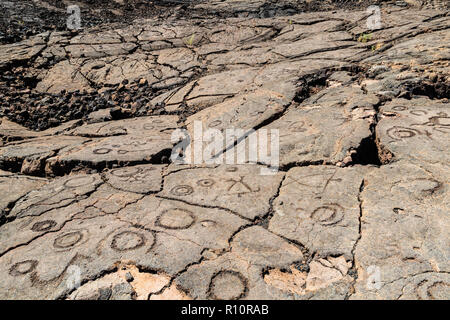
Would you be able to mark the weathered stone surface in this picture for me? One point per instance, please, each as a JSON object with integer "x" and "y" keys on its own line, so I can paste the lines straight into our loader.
{"x": 10, "y": 131}
{"x": 21, "y": 51}
{"x": 404, "y": 246}
{"x": 243, "y": 112}
{"x": 269, "y": 249}
{"x": 44, "y": 217}
{"x": 56, "y": 194}
{"x": 13, "y": 187}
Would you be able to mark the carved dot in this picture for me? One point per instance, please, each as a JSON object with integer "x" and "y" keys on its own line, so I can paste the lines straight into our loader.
{"x": 79, "y": 181}
{"x": 23, "y": 267}
{"x": 228, "y": 285}
{"x": 205, "y": 182}
{"x": 68, "y": 240}
{"x": 176, "y": 219}
{"x": 127, "y": 240}
{"x": 182, "y": 190}
{"x": 328, "y": 214}
{"x": 43, "y": 225}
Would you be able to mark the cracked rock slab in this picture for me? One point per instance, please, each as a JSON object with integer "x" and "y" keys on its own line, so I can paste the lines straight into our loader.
{"x": 416, "y": 129}
{"x": 89, "y": 247}
{"x": 318, "y": 206}
{"x": 238, "y": 275}
{"x": 326, "y": 128}
{"x": 45, "y": 216}
{"x": 55, "y": 194}
{"x": 404, "y": 245}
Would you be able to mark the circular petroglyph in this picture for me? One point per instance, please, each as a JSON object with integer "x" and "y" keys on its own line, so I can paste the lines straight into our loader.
{"x": 182, "y": 190}
{"x": 43, "y": 225}
{"x": 439, "y": 290}
{"x": 125, "y": 172}
{"x": 176, "y": 219}
{"x": 75, "y": 182}
{"x": 435, "y": 290}
{"x": 399, "y": 133}
{"x": 228, "y": 285}
{"x": 148, "y": 126}
{"x": 205, "y": 182}
{"x": 256, "y": 113}
{"x": 101, "y": 151}
{"x": 23, "y": 267}
{"x": 127, "y": 240}
{"x": 68, "y": 240}
{"x": 328, "y": 214}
